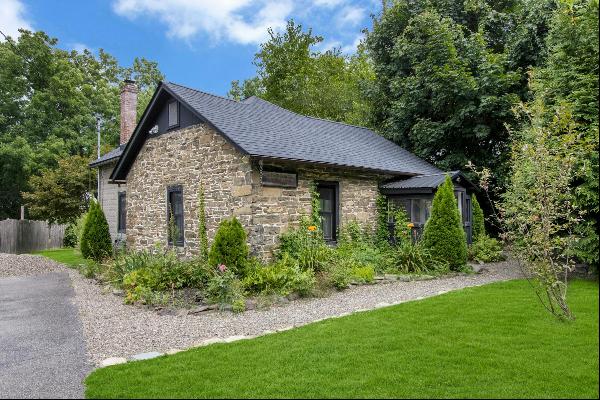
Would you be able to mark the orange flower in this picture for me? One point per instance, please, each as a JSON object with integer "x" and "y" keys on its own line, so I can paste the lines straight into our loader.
{"x": 410, "y": 225}
{"x": 312, "y": 228}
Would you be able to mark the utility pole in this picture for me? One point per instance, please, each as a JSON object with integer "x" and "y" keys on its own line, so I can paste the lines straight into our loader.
{"x": 98, "y": 153}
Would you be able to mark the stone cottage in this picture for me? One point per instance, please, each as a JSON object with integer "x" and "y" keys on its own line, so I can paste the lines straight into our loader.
{"x": 258, "y": 162}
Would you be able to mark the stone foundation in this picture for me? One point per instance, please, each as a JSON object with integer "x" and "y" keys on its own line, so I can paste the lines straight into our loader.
{"x": 197, "y": 154}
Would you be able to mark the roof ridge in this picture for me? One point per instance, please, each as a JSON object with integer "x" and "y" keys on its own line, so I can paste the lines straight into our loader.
{"x": 203, "y": 92}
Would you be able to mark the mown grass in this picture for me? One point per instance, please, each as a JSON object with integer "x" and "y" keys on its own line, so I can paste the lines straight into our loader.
{"x": 68, "y": 256}
{"x": 491, "y": 341}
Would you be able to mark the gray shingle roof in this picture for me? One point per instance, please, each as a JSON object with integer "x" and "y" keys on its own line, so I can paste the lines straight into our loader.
{"x": 114, "y": 154}
{"x": 262, "y": 129}
{"x": 431, "y": 181}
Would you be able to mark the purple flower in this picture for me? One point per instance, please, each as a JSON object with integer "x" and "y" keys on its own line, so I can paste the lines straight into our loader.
{"x": 222, "y": 268}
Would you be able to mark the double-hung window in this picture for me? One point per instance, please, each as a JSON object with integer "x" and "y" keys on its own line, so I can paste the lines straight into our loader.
{"x": 175, "y": 215}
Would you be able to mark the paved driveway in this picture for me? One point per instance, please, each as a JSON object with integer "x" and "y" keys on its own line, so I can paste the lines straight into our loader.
{"x": 42, "y": 350}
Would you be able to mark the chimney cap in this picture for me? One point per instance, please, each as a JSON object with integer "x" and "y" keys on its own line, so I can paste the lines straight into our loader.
{"x": 129, "y": 81}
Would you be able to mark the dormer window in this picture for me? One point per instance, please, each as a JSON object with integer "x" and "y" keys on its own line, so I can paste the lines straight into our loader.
{"x": 173, "y": 114}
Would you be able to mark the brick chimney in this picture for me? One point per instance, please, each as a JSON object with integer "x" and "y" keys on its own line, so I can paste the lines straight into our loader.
{"x": 128, "y": 109}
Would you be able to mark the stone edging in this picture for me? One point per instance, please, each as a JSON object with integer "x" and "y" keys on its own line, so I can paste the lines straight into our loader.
{"x": 154, "y": 354}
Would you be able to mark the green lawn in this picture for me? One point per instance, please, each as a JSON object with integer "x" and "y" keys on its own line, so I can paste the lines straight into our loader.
{"x": 67, "y": 256}
{"x": 490, "y": 341}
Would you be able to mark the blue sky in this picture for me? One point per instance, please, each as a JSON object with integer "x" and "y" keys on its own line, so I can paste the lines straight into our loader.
{"x": 201, "y": 43}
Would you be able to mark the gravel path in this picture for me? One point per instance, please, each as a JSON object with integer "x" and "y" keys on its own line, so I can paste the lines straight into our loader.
{"x": 113, "y": 329}
{"x": 27, "y": 265}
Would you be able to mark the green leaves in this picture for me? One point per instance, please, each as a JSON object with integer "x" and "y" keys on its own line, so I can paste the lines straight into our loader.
{"x": 60, "y": 195}
{"x": 229, "y": 246}
{"x": 443, "y": 87}
{"x": 444, "y": 235}
{"x": 291, "y": 74}
{"x": 49, "y": 100}
{"x": 96, "y": 242}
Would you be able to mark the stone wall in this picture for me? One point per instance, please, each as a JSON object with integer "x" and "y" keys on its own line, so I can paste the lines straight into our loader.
{"x": 232, "y": 187}
{"x": 185, "y": 157}
{"x": 109, "y": 199}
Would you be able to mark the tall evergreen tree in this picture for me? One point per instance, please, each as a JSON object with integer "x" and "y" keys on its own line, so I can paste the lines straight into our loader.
{"x": 443, "y": 234}
{"x": 478, "y": 219}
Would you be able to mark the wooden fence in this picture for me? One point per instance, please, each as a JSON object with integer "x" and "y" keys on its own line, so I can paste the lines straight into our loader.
{"x": 25, "y": 236}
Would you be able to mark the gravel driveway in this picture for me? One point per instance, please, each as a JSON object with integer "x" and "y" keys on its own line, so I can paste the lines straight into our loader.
{"x": 113, "y": 329}
{"x": 42, "y": 347}
{"x": 116, "y": 330}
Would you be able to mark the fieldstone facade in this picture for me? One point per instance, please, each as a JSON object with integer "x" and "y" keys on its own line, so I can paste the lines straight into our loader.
{"x": 232, "y": 187}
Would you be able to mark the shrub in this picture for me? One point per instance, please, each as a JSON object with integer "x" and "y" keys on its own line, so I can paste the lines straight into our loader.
{"x": 78, "y": 227}
{"x": 238, "y": 306}
{"x": 339, "y": 273}
{"x": 95, "y": 241}
{"x": 70, "y": 238}
{"x": 89, "y": 270}
{"x": 364, "y": 274}
{"x": 138, "y": 285}
{"x": 478, "y": 219}
{"x": 229, "y": 246}
{"x": 443, "y": 235}
{"x": 416, "y": 259}
{"x": 282, "y": 277}
{"x": 306, "y": 245}
{"x": 486, "y": 249}
{"x": 167, "y": 270}
{"x": 223, "y": 287}
{"x": 402, "y": 226}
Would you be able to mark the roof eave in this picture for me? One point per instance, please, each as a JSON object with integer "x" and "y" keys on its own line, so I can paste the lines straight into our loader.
{"x": 97, "y": 163}
{"x": 335, "y": 165}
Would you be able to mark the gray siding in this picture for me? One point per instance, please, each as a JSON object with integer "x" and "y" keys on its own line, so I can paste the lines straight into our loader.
{"x": 109, "y": 199}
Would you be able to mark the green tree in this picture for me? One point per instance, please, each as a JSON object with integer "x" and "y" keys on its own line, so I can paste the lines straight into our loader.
{"x": 60, "y": 195}
{"x": 95, "y": 241}
{"x": 443, "y": 89}
{"x": 539, "y": 213}
{"x": 293, "y": 75}
{"x": 568, "y": 84}
{"x": 229, "y": 246}
{"x": 49, "y": 100}
{"x": 16, "y": 158}
{"x": 443, "y": 234}
{"x": 248, "y": 88}
{"x": 478, "y": 219}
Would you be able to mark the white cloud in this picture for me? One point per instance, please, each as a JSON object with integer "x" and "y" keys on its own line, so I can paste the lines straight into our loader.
{"x": 80, "y": 47}
{"x": 327, "y": 3}
{"x": 12, "y": 18}
{"x": 351, "y": 48}
{"x": 350, "y": 15}
{"x": 239, "y": 21}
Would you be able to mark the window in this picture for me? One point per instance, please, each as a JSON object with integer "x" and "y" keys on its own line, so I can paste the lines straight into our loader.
{"x": 328, "y": 196}
{"x": 175, "y": 215}
{"x": 459, "y": 199}
{"x": 173, "y": 114}
{"x": 417, "y": 210}
{"x": 122, "y": 213}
